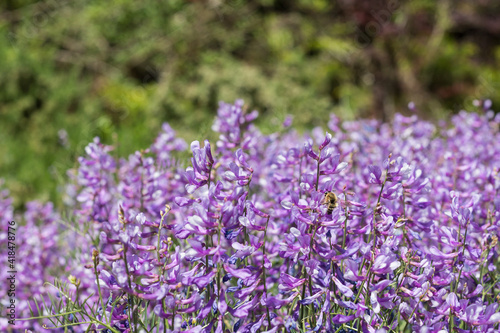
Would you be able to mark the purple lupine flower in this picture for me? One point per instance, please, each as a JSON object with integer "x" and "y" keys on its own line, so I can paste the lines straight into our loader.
{"x": 246, "y": 241}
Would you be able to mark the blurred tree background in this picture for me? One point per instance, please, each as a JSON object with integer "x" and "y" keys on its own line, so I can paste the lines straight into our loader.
{"x": 75, "y": 69}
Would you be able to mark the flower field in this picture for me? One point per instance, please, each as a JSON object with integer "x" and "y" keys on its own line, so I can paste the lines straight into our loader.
{"x": 245, "y": 238}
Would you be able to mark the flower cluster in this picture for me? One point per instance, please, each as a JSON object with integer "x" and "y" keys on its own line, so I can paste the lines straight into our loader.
{"x": 41, "y": 253}
{"x": 245, "y": 239}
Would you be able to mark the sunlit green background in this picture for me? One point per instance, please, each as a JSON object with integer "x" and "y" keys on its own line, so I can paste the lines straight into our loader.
{"x": 118, "y": 69}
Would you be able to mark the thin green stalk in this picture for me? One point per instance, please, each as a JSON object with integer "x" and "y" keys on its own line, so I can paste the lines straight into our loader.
{"x": 404, "y": 204}
{"x": 367, "y": 295}
{"x": 454, "y": 288}
{"x": 416, "y": 306}
{"x": 374, "y": 232}
{"x": 317, "y": 173}
{"x": 361, "y": 287}
{"x": 463, "y": 253}
{"x": 264, "y": 270}
{"x": 50, "y": 315}
{"x": 95, "y": 257}
{"x": 218, "y": 263}
{"x": 302, "y": 307}
{"x": 345, "y": 222}
{"x": 300, "y": 177}
{"x": 209, "y": 176}
{"x": 163, "y": 214}
{"x": 165, "y": 321}
{"x": 131, "y": 298}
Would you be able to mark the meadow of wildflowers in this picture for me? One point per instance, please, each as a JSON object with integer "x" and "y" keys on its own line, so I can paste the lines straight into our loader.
{"x": 241, "y": 240}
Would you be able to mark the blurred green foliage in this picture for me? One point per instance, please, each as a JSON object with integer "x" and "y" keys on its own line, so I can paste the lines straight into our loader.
{"x": 118, "y": 69}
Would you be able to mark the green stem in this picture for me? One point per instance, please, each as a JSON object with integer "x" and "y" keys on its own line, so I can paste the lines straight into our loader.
{"x": 131, "y": 298}
{"x": 99, "y": 289}
{"x": 374, "y": 232}
{"x": 404, "y": 205}
{"x": 264, "y": 270}
{"x": 317, "y": 173}
{"x": 463, "y": 254}
{"x": 345, "y": 222}
{"x": 452, "y": 321}
{"x": 159, "y": 234}
{"x": 373, "y": 221}
{"x": 361, "y": 287}
{"x": 165, "y": 321}
{"x": 49, "y": 316}
{"x": 416, "y": 306}
{"x": 367, "y": 295}
{"x": 218, "y": 263}
{"x": 209, "y": 176}
{"x": 302, "y": 307}
{"x": 300, "y": 177}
